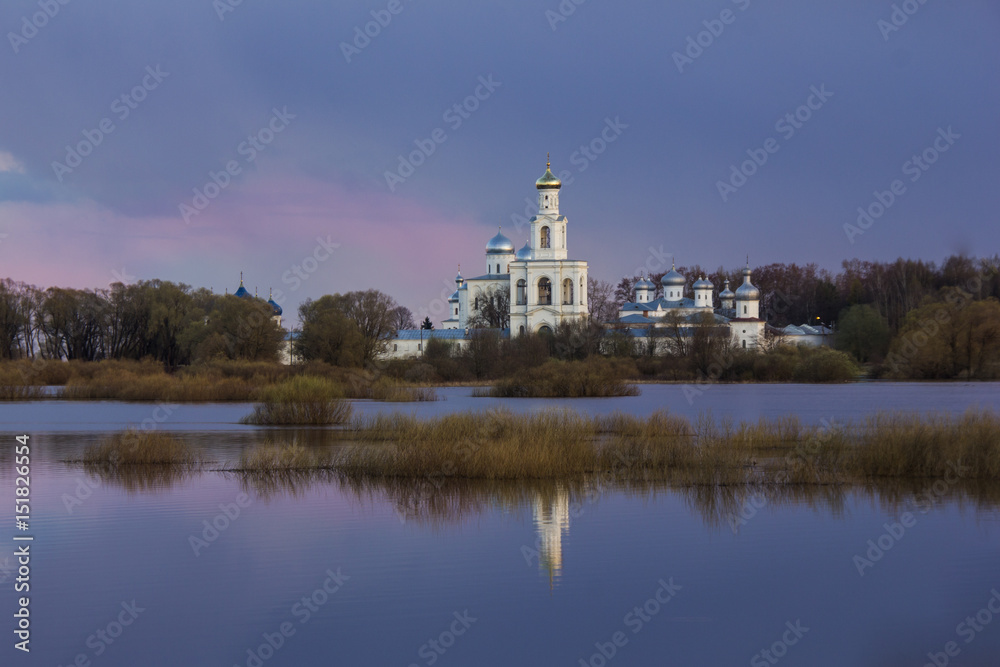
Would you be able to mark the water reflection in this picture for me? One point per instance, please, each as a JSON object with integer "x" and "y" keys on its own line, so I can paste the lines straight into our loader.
{"x": 551, "y": 522}
{"x": 447, "y": 500}
{"x": 141, "y": 478}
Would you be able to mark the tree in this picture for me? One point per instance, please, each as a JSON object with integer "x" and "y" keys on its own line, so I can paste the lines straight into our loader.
{"x": 328, "y": 334}
{"x": 862, "y": 332}
{"x": 372, "y": 312}
{"x": 402, "y": 318}
{"x": 426, "y": 325}
{"x": 483, "y": 352}
{"x": 600, "y": 301}
{"x": 494, "y": 309}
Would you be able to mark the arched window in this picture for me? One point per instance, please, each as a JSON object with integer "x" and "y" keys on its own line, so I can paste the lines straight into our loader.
{"x": 498, "y": 268}
{"x": 583, "y": 291}
{"x": 544, "y": 292}
{"x": 521, "y": 330}
{"x": 545, "y": 330}
{"x": 475, "y": 304}
{"x": 744, "y": 310}
{"x": 744, "y": 345}
{"x": 546, "y": 242}
{"x": 522, "y": 293}
{"x": 567, "y": 292}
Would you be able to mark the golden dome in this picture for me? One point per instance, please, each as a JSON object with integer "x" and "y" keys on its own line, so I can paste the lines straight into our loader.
{"x": 548, "y": 181}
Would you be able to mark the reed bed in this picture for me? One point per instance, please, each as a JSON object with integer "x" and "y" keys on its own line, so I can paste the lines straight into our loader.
{"x": 557, "y": 379}
{"x": 301, "y": 400}
{"x": 139, "y": 448}
{"x": 271, "y": 457}
{"x": 127, "y": 385}
{"x": 498, "y": 444}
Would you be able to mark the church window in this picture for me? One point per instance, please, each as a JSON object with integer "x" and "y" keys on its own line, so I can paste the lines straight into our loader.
{"x": 744, "y": 345}
{"x": 521, "y": 330}
{"x": 498, "y": 268}
{"x": 395, "y": 347}
{"x": 567, "y": 292}
{"x": 544, "y": 292}
{"x": 744, "y": 310}
{"x": 546, "y": 243}
{"x": 522, "y": 293}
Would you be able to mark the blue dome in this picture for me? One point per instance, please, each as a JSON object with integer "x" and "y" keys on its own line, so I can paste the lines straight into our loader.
{"x": 242, "y": 292}
{"x": 274, "y": 306}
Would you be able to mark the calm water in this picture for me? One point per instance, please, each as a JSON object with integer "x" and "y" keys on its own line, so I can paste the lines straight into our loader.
{"x": 473, "y": 574}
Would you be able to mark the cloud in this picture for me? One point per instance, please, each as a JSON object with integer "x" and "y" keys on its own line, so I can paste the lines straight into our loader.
{"x": 8, "y": 163}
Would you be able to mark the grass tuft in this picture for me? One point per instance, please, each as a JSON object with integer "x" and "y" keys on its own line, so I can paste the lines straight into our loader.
{"x": 133, "y": 448}
{"x": 302, "y": 400}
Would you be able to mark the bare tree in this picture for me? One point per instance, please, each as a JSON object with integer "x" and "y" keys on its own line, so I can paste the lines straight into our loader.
{"x": 402, "y": 318}
{"x": 601, "y": 301}
{"x": 493, "y": 311}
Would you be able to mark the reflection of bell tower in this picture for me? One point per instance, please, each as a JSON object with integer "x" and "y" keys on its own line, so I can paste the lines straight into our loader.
{"x": 551, "y": 521}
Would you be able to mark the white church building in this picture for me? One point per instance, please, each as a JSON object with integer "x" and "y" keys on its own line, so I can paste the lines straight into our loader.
{"x": 547, "y": 289}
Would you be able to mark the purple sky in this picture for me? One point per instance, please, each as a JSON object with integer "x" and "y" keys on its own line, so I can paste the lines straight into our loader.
{"x": 560, "y": 83}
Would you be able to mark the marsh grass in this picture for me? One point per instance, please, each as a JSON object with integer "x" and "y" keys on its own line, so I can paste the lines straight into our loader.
{"x": 559, "y": 379}
{"x": 301, "y": 400}
{"x": 498, "y": 444}
{"x": 139, "y": 448}
{"x": 272, "y": 457}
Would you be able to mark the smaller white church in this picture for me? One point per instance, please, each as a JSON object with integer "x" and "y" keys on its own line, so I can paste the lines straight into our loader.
{"x": 739, "y": 310}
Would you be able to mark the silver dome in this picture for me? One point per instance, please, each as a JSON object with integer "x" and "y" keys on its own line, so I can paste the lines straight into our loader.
{"x": 673, "y": 279}
{"x": 726, "y": 293}
{"x": 703, "y": 284}
{"x": 524, "y": 253}
{"x": 500, "y": 245}
{"x": 747, "y": 291}
{"x": 644, "y": 284}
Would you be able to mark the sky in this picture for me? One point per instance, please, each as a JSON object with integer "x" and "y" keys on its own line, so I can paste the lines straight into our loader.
{"x": 329, "y": 147}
